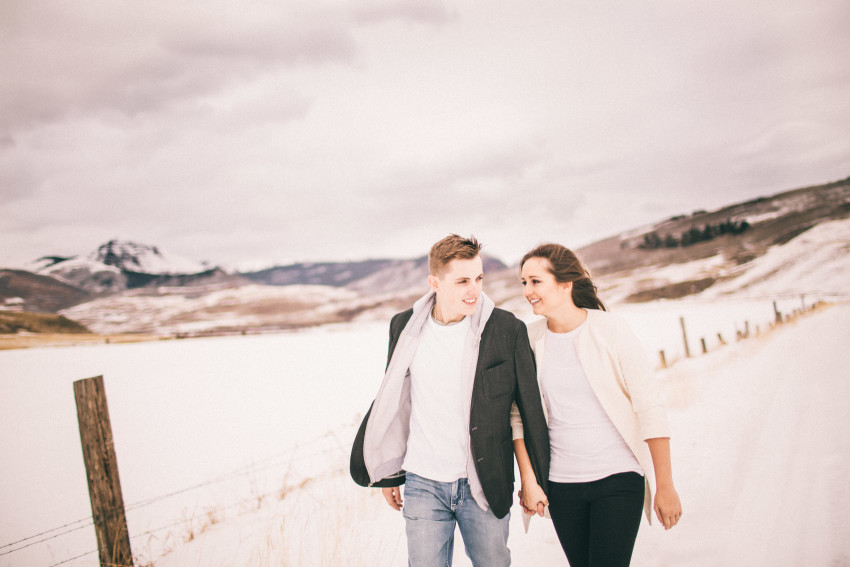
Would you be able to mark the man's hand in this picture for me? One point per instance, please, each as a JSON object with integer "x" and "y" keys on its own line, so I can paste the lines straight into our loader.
{"x": 393, "y": 496}
{"x": 532, "y": 498}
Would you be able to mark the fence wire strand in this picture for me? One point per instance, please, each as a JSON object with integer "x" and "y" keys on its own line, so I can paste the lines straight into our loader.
{"x": 284, "y": 457}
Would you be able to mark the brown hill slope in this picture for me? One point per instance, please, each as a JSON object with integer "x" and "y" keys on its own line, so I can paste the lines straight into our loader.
{"x": 41, "y": 294}
{"x": 772, "y": 220}
{"x": 15, "y": 321}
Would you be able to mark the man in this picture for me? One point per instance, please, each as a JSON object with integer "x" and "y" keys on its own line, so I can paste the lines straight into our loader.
{"x": 441, "y": 420}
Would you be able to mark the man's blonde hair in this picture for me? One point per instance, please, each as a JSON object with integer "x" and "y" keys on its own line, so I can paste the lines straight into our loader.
{"x": 453, "y": 247}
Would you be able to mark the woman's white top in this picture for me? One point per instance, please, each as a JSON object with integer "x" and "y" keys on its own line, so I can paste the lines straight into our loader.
{"x": 620, "y": 374}
{"x": 585, "y": 445}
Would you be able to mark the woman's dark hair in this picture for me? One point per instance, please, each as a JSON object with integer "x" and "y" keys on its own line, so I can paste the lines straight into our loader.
{"x": 566, "y": 267}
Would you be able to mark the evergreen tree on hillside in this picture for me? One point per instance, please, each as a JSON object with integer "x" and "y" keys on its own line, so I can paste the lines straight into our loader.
{"x": 694, "y": 235}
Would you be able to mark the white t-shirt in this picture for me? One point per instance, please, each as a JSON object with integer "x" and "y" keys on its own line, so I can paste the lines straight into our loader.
{"x": 585, "y": 444}
{"x": 438, "y": 444}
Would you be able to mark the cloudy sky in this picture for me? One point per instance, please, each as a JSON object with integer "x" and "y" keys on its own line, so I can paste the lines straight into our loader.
{"x": 241, "y": 132}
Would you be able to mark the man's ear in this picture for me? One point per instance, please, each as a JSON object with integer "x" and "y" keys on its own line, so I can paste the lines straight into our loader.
{"x": 433, "y": 282}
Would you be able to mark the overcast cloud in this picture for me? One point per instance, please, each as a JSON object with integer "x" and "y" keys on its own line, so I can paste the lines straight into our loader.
{"x": 234, "y": 132}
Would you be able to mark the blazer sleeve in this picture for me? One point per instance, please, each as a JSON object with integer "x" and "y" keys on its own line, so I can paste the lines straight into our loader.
{"x": 529, "y": 408}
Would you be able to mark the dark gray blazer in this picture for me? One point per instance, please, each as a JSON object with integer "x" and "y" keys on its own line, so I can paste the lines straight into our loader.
{"x": 505, "y": 373}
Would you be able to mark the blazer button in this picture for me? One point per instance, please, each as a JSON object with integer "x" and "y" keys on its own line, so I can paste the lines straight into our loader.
{"x": 479, "y": 460}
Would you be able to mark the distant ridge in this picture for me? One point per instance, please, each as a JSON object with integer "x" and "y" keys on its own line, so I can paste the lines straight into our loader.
{"x": 365, "y": 275}
{"x": 790, "y": 243}
{"x": 772, "y": 220}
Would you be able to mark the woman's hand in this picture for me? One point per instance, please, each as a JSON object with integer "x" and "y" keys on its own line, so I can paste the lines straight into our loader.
{"x": 667, "y": 506}
{"x": 532, "y": 498}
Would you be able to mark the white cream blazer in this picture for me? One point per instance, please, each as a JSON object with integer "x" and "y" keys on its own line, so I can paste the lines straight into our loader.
{"x": 620, "y": 375}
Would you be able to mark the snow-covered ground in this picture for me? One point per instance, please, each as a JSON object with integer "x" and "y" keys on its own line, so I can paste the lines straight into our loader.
{"x": 234, "y": 451}
{"x": 176, "y": 310}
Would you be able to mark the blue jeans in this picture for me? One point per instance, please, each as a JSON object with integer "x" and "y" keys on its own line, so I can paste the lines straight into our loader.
{"x": 431, "y": 511}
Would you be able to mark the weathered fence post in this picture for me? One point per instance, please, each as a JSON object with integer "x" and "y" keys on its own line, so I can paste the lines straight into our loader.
{"x": 777, "y": 316}
{"x": 704, "y": 348}
{"x": 663, "y": 359}
{"x": 107, "y": 503}
{"x": 685, "y": 337}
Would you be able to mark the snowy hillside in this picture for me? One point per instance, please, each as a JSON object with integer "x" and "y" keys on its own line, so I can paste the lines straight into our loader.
{"x": 234, "y": 451}
{"x": 816, "y": 263}
{"x": 144, "y": 259}
{"x": 89, "y": 275}
{"x": 739, "y": 232}
{"x": 187, "y": 311}
{"x": 118, "y": 265}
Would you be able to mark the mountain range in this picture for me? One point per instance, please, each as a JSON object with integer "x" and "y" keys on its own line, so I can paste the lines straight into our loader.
{"x": 748, "y": 247}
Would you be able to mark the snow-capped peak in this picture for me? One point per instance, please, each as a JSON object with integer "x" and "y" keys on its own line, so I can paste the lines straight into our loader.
{"x": 143, "y": 258}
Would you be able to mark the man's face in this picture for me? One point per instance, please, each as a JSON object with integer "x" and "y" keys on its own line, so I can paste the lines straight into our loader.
{"x": 458, "y": 289}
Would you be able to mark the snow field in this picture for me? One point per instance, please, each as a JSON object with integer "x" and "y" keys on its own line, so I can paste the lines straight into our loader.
{"x": 252, "y": 434}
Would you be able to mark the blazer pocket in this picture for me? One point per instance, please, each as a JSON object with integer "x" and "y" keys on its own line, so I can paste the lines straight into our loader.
{"x": 498, "y": 381}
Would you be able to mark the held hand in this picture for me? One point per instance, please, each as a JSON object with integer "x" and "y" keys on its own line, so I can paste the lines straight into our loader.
{"x": 524, "y": 509}
{"x": 532, "y": 498}
{"x": 668, "y": 509}
{"x": 393, "y": 496}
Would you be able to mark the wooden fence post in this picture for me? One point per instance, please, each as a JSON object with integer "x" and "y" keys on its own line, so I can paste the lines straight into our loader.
{"x": 107, "y": 503}
{"x": 685, "y": 337}
{"x": 704, "y": 348}
{"x": 662, "y": 358}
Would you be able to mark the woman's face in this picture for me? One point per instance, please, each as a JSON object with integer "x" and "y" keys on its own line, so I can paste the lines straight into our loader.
{"x": 542, "y": 290}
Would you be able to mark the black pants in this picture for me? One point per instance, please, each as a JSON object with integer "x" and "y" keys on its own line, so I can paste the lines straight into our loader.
{"x": 597, "y": 522}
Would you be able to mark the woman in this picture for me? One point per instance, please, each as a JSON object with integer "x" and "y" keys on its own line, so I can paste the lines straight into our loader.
{"x": 609, "y": 440}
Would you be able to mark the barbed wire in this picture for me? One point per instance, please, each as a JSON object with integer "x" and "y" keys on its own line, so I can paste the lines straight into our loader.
{"x": 47, "y": 532}
{"x": 262, "y": 465}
